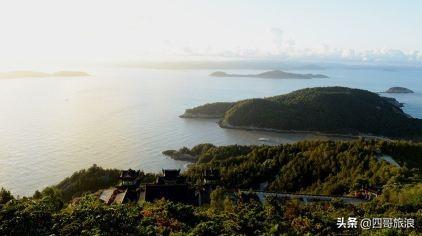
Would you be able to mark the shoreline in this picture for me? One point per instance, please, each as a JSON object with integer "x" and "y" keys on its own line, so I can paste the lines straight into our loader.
{"x": 178, "y": 156}
{"x": 351, "y": 136}
{"x": 200, "y": 116}
{"x": 251, "y": 128}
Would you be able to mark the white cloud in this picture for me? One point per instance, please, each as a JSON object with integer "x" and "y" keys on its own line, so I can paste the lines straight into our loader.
{"x": 280, "y": 45}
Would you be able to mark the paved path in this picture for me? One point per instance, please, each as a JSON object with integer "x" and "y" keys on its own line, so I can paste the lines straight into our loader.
{"x": 305, "y": 197}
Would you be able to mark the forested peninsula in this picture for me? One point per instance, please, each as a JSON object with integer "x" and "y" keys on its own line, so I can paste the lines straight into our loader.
{"x": 331, "y": 110}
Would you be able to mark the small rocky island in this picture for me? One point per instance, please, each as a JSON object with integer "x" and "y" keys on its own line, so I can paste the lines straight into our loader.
{"x": 330, "y": 110}
{"x": 273, "y": 74}
{"x": 398, "y": 90}
{"x": 37, "y": 74}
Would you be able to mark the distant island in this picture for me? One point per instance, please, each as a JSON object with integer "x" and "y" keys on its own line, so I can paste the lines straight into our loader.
{"x": 398, "y": 90}
{"x": 273, "y": 74}
{"x": 37, "y": 74}
{"x": 331, "y": 110}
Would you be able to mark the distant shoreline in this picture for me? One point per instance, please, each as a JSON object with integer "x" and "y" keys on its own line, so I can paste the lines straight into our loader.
{"x": 37, "y": 74}
{"x": 273, "y": 74}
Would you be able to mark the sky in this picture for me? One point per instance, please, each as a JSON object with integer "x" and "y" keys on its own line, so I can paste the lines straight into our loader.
{"x": 79, "y": 31}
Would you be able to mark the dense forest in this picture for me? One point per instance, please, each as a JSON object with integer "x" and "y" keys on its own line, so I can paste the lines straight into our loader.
{"x": 315, "y": 167}
{"x": 336, "y": 110}
{"x": 323, "y": 167}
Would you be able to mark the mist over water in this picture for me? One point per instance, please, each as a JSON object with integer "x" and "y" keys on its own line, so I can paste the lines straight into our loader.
{"x": 125, "y": 118}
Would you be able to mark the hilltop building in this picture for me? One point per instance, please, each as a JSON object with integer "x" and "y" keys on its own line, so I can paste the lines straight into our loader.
{"x": 170, "y": 185}
{"x": 128, "y": 190}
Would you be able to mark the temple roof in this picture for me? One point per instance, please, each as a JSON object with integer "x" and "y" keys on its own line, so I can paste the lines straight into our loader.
{"x": 171, "y": 173}
{"x": 129, "y": 174}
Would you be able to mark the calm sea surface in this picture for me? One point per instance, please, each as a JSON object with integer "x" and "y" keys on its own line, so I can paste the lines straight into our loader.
{"x": 125, "y": 118}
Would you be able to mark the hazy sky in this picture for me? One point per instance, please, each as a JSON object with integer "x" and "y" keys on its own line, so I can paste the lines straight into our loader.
{"x": 88, "y": 30}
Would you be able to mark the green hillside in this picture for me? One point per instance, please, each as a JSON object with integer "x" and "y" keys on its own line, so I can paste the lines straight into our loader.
{"x": 322, "y": 167}
{"x": 318, "y": 167}
{"x": 336, "y": 110}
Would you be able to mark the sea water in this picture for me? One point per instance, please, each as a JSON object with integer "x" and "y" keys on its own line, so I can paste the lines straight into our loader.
{"x": 125, "y": 117}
